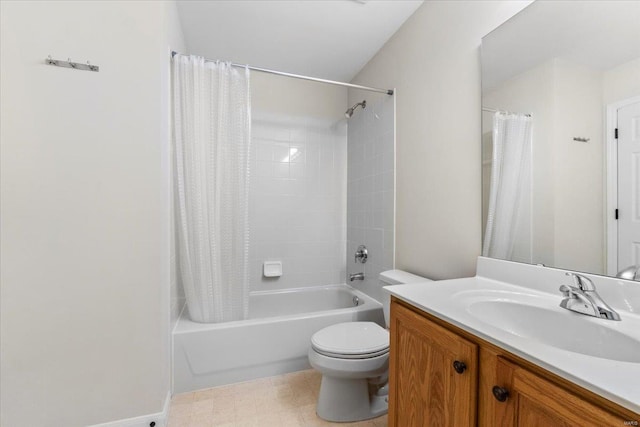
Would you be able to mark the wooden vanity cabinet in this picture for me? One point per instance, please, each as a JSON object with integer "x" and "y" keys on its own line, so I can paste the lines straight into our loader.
{"x": 495, "y": 388}
{"x": 433, "y": 373}
{"x": 531, "y": 400}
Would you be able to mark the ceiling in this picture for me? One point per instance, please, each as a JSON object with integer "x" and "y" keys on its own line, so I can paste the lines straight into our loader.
{"x": 331, "y": 39}
{"x": 597, "y": 34}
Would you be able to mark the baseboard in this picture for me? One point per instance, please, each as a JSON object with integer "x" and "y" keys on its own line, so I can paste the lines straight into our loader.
{"x": 160, "y": 418}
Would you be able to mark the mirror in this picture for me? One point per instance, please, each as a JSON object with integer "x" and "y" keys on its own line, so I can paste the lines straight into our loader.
{"x": 558, "y": 187}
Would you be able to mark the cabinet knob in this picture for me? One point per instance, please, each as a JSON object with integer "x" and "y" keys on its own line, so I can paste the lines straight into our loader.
{"x": 459, "y": 366}
{"x": 500, "y": 393}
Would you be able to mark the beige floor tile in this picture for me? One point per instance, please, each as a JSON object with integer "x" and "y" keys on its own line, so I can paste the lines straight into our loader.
{"x": 307, "y": 411}
{"x": 180, "y": 410}
{"x": 182, "y": 398}
{"x": 366, "y": 423}
{"x": 223, "y": 418}
{"x": 246, "y": 411}
{"x": 261, "y": 384}
{"x": 283, "y": 389}
{"x": 244, "y": 399}
{"x": 292, "y": 421}
{"x": 277, "y": 380}
{"x": 206, "y": 394}
{"x": 306, "y": 397}
{"x": 202, "y": 408}
{"x": 179, "y": 422}
{"x": 297, "y": 380}
{"x": 315, "y": 383}
{"x": 201, "y": 422}
{"x": 243, "y": 388}
{"x": 267, "y": 402}
{"x": 382, "y": 421}
{"x": 315, "y": 421}
{"x": 263, "y": 420}
{"x": 248, "y": 422}
{"x": 284, "y": 401}
{"x": 222, "y": 391}
{"x": 223, "y": 401}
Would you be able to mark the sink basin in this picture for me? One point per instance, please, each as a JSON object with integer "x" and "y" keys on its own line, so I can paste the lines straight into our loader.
{"x": 556, "y": 328}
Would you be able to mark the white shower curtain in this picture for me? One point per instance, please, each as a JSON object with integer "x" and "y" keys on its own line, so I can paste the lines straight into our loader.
{"x": 510, "y": 182}
{"x": 212, "y": 126}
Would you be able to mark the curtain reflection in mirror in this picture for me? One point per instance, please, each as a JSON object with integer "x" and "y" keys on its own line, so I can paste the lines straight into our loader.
{"x": 510, "y": 188}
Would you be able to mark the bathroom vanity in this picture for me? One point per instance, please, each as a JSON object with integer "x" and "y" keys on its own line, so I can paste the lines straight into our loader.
{"x": 497, "y": 351}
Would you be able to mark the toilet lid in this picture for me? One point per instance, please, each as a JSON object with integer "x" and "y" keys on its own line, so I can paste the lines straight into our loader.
{"x": 351, "y": 339}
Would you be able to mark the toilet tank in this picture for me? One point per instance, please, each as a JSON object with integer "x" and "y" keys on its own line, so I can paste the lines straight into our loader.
{"x": 395, "y": 277}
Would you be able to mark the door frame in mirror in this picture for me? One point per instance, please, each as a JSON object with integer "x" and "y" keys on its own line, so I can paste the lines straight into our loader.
{"x": 611, "y": 156}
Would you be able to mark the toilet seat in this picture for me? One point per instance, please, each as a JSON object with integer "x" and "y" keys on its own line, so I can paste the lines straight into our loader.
{"x": 351, "y": 340}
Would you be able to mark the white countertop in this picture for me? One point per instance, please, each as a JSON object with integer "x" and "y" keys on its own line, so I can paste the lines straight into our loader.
{"x": 618, "y": 381}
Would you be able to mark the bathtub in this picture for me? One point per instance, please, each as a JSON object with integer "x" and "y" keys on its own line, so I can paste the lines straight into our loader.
{"x": 274, "y": 340}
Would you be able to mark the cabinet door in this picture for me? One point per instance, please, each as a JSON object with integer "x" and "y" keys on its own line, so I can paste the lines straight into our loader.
{"x": 530, "y": 400}
{"x": 426, "y": 389}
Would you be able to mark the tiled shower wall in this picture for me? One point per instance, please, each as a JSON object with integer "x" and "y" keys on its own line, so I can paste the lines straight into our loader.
{"x": 370, "y": 190}
{"x": 297, "y": 210}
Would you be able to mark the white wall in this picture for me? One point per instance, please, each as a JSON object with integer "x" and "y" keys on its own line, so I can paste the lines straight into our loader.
{"x": 176, "y": 298}
{"x": 85, "y": 212}
{"x": 578, "y": 168}
{"x": 621, "y": 82}
{"x": 433, "y": 62}
{"x": 286, "y": 96}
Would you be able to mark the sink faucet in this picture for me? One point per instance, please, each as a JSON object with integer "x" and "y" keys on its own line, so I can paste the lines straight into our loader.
{"x": 583, "y": 298}
{"x": 357, "y": 276}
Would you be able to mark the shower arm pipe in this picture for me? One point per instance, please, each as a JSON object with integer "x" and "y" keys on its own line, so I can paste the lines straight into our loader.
{"x": 313, "y": 79}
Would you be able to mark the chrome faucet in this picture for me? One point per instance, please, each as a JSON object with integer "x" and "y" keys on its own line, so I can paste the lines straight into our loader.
{"x": 583, "y": 298}
{"x": 357, "y": 276}
{"x": 630, "y": 273}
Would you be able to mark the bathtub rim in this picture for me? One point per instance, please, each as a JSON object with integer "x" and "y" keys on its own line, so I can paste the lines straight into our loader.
{"x": 184, "y": 325}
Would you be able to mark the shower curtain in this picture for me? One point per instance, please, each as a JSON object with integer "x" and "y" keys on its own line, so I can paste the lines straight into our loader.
{"x": 510, "y": 182}
{"x": 212, "y": 128}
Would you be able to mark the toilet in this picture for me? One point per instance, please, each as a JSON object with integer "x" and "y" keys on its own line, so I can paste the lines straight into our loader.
{"x": 353, "y": 358}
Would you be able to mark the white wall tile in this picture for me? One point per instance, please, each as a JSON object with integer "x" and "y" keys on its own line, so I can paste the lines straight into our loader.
{"x": 298, "y": 201}
{"x": 370, "y": 190}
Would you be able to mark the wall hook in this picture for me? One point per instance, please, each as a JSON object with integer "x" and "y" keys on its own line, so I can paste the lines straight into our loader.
{"x": 70, "y": 64}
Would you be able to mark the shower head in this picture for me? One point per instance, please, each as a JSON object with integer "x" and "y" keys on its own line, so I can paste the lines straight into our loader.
{"x": 350, "y": 111}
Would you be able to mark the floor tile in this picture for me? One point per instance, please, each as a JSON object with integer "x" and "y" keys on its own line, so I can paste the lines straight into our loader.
{"x": 287, "y": 400}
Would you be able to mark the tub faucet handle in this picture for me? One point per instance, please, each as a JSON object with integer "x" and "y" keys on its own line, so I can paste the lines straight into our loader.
{"x": 361, "y": 254}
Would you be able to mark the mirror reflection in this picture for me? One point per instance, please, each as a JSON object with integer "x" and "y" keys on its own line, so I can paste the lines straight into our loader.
{"x": 561, "y": 137}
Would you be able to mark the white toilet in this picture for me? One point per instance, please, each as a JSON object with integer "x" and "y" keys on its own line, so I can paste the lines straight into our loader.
{"x": 354, "y": 360}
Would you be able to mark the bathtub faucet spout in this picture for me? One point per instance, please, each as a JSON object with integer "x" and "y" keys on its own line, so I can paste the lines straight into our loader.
{"x": 357, "y": 276}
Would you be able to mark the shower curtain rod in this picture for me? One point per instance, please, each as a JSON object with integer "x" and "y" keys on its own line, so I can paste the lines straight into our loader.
{"x": 313, "y": 79}
{"x": 493, "y": 110}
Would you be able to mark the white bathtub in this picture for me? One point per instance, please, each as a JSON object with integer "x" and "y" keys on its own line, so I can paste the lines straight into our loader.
{"x": 274, "y": 340}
